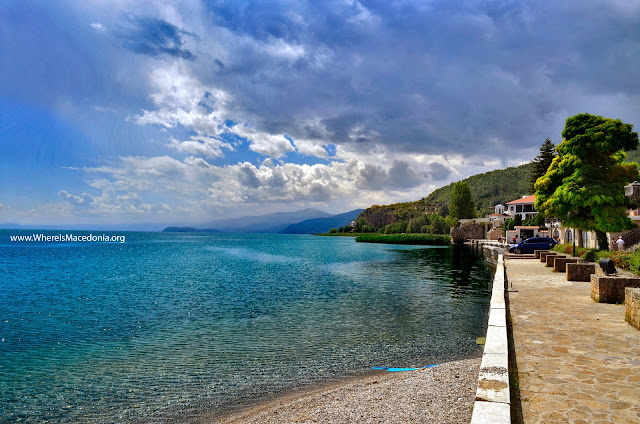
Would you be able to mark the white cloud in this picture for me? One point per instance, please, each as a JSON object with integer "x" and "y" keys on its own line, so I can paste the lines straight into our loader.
{"x": 311, "y": 147}
{"x": 181, "y": 99}
{"x": 98, "y": 27}
{"x": 266, "y": 144}
{"x": 201, "y": 146}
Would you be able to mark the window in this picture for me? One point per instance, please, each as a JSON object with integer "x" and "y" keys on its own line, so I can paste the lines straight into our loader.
{"x": 528, "y": 208}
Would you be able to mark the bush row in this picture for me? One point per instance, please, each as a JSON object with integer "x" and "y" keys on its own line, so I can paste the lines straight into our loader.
{"x": 423, "y": 239}
{"x": 629, "y": 261}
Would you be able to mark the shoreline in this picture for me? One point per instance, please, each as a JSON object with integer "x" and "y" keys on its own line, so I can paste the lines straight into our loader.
{"x": 440, "y": 394}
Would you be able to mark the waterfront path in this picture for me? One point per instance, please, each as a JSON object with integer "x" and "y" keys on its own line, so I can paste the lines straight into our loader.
{"x": 578, "y": 361}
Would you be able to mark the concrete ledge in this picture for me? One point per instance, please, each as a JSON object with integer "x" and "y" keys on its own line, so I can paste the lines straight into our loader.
{"x": 609, "y": 289}
{"x": 580, "y": 272}
{"x": 491, "y": 413}
{"x": 560, "y": 264}
{"x": 631, "y": 307}
{"x": 543, "y": 256}
{"x": 552, "y": 258}
{"x": 492, "y": 403}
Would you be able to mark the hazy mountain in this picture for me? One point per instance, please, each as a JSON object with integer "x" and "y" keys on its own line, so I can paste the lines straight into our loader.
{"x": 271, "y": 223}
{"x": 141, "y": 226}
{"x": 322, "y": 225}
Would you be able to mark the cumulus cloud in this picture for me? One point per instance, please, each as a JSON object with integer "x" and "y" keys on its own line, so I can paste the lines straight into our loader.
{"x": 201, "y": 146}
{"x": 261, "y": 142}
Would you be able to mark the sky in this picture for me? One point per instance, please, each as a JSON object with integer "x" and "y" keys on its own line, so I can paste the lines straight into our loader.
{"x": 124, "y": 111}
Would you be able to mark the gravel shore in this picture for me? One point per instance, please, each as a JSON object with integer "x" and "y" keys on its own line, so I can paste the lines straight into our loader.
{"x": 443, "y": 394}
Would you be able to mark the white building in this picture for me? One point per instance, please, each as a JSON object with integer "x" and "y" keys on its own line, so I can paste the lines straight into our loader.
{"x": 523, "y": 207}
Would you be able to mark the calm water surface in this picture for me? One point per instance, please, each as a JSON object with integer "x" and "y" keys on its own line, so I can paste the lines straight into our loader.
{"x": 170, "y": 325}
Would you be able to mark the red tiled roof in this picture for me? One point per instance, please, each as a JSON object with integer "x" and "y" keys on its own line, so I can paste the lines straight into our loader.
{"x": 526, "y": 199}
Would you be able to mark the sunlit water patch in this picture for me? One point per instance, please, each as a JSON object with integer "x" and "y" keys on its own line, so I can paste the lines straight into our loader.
{"x": 170, "y": 325}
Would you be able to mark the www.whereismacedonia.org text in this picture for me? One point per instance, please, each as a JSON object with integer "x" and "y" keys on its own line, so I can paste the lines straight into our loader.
{"x": 50, "y": 238}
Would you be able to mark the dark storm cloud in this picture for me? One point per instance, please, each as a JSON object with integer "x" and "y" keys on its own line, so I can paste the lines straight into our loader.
{"x": 474, "y": 78}
{"x": 154, "y": 37}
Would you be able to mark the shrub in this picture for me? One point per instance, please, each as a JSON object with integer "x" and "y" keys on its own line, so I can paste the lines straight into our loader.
{"x": 424, "y": 239}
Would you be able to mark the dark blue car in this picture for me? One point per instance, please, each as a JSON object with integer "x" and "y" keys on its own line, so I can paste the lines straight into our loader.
{"x": 531, "y": 244}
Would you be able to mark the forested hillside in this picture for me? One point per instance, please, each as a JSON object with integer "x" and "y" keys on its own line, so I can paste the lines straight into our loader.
{"x": 491, "y": 188}
{"x": 380, "y": 216}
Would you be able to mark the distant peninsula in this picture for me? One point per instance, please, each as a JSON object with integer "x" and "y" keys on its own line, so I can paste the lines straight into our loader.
{"x": 189, "y": 230}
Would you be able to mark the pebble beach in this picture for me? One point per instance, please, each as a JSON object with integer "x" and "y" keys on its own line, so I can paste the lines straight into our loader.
{"x": 442, "y": 394}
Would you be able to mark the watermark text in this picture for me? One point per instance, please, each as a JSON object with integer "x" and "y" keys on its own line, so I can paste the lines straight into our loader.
{"x": 62, "y": 238}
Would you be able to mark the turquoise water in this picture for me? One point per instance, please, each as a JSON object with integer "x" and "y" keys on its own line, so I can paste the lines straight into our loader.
{"x": 170, "y": 325}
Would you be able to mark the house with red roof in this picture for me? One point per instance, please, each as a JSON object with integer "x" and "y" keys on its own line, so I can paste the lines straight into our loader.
{"x": 523, "y": 207}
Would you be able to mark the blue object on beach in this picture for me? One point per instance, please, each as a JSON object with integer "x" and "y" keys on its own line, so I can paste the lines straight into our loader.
{"x": 392, "y": 369}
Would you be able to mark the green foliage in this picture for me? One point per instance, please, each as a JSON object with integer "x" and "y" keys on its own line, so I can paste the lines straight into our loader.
{"x": 517, "y": 221}
{"x": 381, "y": 216}
{"x": 438, "y": 225}
{"x": 542, "y": 162}
{"x": 396, "y": 227}
{"x": 491, "y": 188}
{"x": 629, "y": 261}
{"x": 426, "y": 239}
{"x": 462, "y": 205}
{"x": 584, "y": 186}
{"x": 509, "y": 224}
{"x": 451, "y": 221}
{"x": 333, "y": 230}
{"x": 563, "y": 248}
{"x": 537, "y": 220}
{"x": 415, "y": 224}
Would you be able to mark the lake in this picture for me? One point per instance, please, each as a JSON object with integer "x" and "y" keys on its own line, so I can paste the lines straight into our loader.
{"x": 166, "y": 325}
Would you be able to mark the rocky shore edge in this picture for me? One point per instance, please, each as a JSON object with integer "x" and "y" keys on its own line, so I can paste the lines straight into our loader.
{"x": 442, "y": 394}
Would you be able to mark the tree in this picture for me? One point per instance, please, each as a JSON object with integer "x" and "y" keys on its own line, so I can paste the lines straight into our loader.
{"x": 517, "y": 221}
{"x": 438, "y": 225}
{"x": 584, "y": 186}
{"x": 542, "y": 162}
{"x": 462, "y": 205}
{"x": 415, "y": 224}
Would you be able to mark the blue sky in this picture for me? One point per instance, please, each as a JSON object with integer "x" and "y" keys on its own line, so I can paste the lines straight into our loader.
{"x": 119, "y": 111}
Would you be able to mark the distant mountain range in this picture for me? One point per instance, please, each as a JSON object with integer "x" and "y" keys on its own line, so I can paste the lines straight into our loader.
{"x": 304, "y": 221}
{"x": 271, "y": 223}
{"x": 322, "y": 225}
{"x": 140, "y": 226}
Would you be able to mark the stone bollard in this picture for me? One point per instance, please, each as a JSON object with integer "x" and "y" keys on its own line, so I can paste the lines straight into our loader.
{"x": 552, "y": 258}
{"x": 536, "y": 253}
{"x": 632, "y": 306}
{"x": 610, "y": 289}
{"x": 560, "y": 264}
{"x": 580, "y": 272}
{"x": 543, "y": 256}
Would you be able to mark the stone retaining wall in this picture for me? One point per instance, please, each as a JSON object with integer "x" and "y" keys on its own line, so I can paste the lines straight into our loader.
{"x": 536, "y": 253}
{"x": 492, "y": 405}
{"x": 580, "y": 272}
{"x": 560, "y": 264}
{"x": 543, "y": 256}
{"x": 608, "y": 289}
{"x": 632, "y": 306}
{"x": 551, "y": 259}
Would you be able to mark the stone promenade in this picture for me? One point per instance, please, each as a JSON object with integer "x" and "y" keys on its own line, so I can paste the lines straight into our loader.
{"x": 578, "y": 361}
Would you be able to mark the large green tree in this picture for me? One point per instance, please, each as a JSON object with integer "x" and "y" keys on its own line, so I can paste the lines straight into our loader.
{"x": 542, "y": 162}
{"x": 462, "y": 205}
{"x": 584, "y": 186}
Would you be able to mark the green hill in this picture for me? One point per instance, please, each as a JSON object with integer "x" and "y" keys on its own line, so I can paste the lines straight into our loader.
{"x": 487, "y": 189}
{"x": 491, "y": 188}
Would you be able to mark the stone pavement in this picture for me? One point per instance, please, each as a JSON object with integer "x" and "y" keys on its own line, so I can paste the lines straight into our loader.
{"x": 578, "y": 361}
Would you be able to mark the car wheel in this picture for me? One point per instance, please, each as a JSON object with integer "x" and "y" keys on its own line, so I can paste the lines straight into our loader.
{"x": 517, "y": 251}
